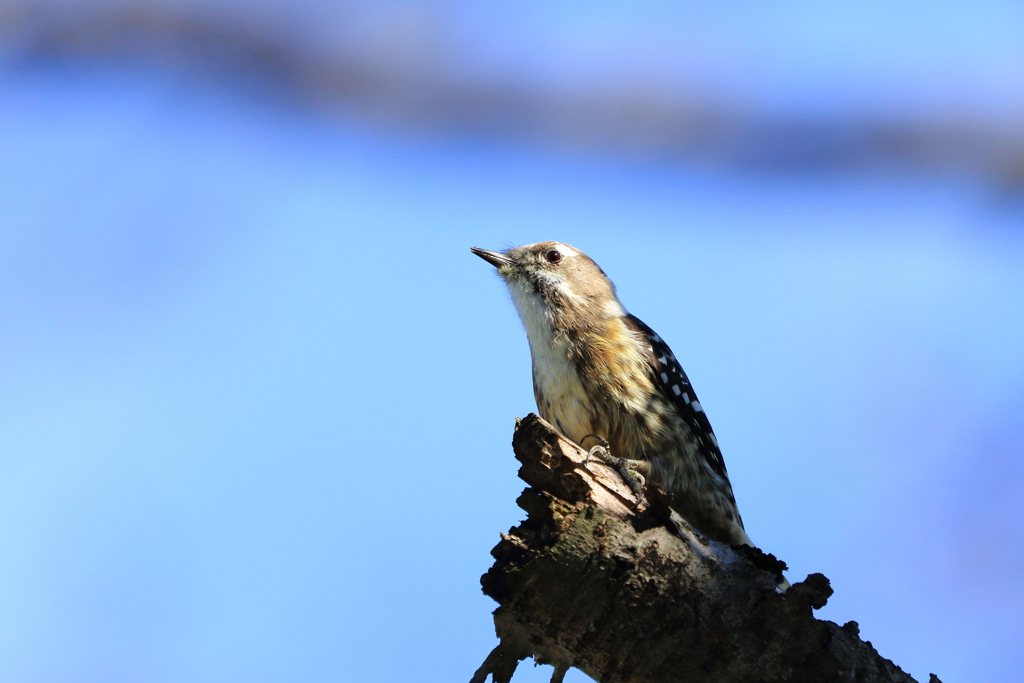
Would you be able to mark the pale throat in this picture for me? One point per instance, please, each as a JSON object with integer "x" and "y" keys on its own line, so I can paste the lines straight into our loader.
{"x": 562, "y": 399}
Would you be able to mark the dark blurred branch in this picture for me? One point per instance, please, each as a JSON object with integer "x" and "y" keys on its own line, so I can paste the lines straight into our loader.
{"x": 421, "y": 88}
{"x": 630, "y": 595}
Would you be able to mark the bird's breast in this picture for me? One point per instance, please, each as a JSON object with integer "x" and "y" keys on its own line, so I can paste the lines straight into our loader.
{"x": 561, "y": 396}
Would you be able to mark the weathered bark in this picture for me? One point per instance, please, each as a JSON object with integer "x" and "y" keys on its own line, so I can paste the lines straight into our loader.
{"x": 632, "y": 594}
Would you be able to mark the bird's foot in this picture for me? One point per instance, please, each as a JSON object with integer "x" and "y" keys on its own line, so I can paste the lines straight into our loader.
{"x": 629, "y": 470}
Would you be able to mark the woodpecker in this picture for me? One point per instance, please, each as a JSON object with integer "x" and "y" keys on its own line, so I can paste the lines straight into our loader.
{"x": 600, "y": 373}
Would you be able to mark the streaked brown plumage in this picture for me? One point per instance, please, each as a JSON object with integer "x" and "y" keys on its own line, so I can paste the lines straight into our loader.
{"x": 599, "y": 370}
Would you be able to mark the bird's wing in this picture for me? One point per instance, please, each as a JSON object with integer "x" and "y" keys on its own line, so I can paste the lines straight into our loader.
{"x": 670, "y": 379}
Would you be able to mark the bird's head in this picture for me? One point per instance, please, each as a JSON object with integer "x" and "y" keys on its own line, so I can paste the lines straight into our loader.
{"x": 561, "y": 279}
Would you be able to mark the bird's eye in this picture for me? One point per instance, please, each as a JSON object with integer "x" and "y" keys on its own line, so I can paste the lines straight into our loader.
{"x": 553, "y": 256}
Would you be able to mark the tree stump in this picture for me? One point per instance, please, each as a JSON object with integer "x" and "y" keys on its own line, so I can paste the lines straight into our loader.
{"x": 633, "y": 594}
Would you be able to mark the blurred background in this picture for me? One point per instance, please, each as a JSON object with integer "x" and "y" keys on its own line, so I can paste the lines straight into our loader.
{"x": 257, "y": 396}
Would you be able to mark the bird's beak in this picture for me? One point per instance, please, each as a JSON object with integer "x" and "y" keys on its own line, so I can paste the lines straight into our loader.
{"x": 495, "y": 258}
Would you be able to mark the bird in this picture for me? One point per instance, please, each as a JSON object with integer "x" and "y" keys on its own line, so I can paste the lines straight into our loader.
{"x": 600, "y": 373}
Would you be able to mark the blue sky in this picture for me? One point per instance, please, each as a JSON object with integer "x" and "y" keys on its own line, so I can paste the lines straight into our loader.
{"x": 258, "y": 395}
{"x": 910, "y": 57}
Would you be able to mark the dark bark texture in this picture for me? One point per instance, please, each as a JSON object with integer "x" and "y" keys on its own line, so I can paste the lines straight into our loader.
{"x": 631, "y": 593}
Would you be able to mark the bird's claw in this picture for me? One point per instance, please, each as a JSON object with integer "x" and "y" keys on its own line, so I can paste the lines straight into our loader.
{"x": 627, "y": 469}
